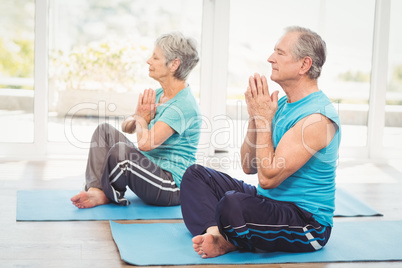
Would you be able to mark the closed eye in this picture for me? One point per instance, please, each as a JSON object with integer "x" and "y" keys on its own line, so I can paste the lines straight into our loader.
{"x": 279, "y": 51}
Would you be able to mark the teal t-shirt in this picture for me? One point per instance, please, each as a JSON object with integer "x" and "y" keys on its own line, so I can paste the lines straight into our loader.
{"x": 182, "y": 114}
{"x": 312, "y": 187}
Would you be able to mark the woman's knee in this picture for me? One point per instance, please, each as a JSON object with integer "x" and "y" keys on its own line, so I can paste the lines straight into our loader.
{"x": 121, "y": 151}
{"x": 103, "y": 135}
{"x": 118, "y": 151}
{"x": 104, "y": 128}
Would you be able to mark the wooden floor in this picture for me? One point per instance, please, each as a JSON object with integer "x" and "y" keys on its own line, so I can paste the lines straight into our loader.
{"x": 90, "y": 244}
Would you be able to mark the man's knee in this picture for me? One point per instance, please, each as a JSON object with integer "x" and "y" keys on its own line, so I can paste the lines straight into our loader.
{"x": 231, "y": 205}
{"x": 191, "y": 173}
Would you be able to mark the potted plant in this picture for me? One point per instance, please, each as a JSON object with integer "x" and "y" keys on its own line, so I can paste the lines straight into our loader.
{"x": 98, "y": 79}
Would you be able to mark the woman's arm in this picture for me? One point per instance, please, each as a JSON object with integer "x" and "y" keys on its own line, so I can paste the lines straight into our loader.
{"x": 149, "y": 139}
{"x": 128, "y": 125}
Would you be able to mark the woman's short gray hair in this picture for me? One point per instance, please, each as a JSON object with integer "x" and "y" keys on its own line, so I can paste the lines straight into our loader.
{"x": 309, "y": 44}
{"x": 175, "y": 45}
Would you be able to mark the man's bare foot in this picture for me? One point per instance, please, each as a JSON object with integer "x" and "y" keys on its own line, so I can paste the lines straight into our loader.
{"x": 92, "y": 198}
{"x": 212, "y": 244}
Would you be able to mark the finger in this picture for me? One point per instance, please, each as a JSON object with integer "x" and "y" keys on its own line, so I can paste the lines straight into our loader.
{"x": 144, "y": 93}
{"x": 140, "y": 100}
{"x": 146, "y": 96}
{"x": 252, "y": 86}
{"x": 258, "y": 82}
{"x": 274, "y": 96}
{"x": 153, "y": 96}
{"x": 247, "y": 94}
{"x": 265, "y": 89}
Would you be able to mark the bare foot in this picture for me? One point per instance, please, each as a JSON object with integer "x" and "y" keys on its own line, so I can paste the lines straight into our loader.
{"x": 212, "y": 244}
{"x": 92, "y": 198}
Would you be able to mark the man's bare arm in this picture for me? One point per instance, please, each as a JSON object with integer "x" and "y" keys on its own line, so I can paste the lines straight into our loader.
{"x": 296, "y": 147}
{"x": 247, "y": 150}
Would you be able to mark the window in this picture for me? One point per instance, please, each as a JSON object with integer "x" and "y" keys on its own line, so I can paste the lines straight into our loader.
{"x": 81, "y": 44}
{"x": 97, "y": 59}
{"x": 346, "y": 74}
{"x": 17, "y": 70}
{"x": 393, "y": 110}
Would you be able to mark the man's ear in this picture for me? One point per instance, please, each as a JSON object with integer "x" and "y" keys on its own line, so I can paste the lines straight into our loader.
{"x": 306, "y": 65}
{"x": 174, "y": 65}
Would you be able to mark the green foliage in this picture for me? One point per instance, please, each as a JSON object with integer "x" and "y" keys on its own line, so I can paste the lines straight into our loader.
{"x": 354, "y": 76}
{"x": 397, "y": 74}
{"x": 16, "y": 58}
{"x": 395, "y": 85}
{"x": 98, "y": 65}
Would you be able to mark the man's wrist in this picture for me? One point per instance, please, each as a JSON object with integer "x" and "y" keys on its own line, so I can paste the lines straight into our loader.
{"x": 262, "y": 123}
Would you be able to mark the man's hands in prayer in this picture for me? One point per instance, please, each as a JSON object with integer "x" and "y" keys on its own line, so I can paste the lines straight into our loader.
{"x": 261, "y": 105}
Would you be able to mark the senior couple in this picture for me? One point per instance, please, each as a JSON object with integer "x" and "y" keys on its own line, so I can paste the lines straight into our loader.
{"x": 291, "y": 144}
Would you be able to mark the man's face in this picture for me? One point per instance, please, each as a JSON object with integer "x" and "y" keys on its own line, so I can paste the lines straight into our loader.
{"x": 284, "y": 67}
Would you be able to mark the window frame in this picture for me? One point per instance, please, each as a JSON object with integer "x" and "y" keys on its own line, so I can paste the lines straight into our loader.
{"x": 213, "y": 85}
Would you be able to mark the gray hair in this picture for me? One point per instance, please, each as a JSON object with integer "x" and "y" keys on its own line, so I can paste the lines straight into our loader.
{"x": 175, "y": 45}
{"x": 309, "y": 44}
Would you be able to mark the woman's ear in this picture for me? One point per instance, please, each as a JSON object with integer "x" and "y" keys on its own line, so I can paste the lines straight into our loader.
{"x": 306, "y": 65}
{"x": 174, "y": 65}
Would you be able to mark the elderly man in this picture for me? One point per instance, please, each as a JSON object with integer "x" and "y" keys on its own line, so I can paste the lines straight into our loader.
{"x": 292, "y": 144}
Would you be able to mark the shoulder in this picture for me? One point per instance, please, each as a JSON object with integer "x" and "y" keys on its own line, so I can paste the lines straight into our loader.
{"x": 315, "y": 131}
{"x": 158, "y": 94}
{"x": 186, "y": 102}
{"x": 159, "y": 91}
{"x": 282, "y": 100}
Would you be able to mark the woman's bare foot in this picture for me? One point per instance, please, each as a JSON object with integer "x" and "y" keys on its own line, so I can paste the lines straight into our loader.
{"x": 92, "y": 198}
{"x": 212, "y": 244}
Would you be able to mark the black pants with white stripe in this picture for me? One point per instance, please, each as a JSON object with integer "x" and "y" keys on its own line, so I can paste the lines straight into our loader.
{"x": 245, "y": 218}
{"x": 126, "y": 167}
{"x": 122, "y": 166}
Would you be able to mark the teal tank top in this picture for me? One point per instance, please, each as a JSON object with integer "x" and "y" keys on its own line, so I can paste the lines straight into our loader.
{"x": 178, "y": 152}
{"x": 312, "y": 187}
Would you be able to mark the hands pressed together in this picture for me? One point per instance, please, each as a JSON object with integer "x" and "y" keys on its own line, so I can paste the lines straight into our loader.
{"x": 146, "y": 107}
{"x": 261, "y": 105}
{"x": 145, "y": 111}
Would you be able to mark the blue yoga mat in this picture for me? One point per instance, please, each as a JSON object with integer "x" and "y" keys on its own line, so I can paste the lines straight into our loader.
{"x": 170, "y": 244}
{"x": 346, "y": 205}
{"x": 55, "y": 205}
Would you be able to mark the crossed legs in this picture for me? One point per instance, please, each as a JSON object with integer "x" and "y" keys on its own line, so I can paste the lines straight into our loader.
{"x": 225, "y": 214}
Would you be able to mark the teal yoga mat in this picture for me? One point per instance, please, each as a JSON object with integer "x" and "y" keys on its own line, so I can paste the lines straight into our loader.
{"x": 346, "y": 205}
{"x": 170, "y": 244}
{"x": 55, "y": 205}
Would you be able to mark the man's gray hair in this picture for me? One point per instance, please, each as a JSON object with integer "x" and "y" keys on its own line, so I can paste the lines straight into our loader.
{"x": 175, "y": 45}
{"x": 309, "y": 44}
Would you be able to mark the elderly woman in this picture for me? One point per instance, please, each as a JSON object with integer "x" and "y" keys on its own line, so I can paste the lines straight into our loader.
{"x": 167, "y": 124}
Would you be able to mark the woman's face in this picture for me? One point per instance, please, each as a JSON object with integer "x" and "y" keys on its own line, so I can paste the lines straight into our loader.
{"x": 157, "y": 65}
